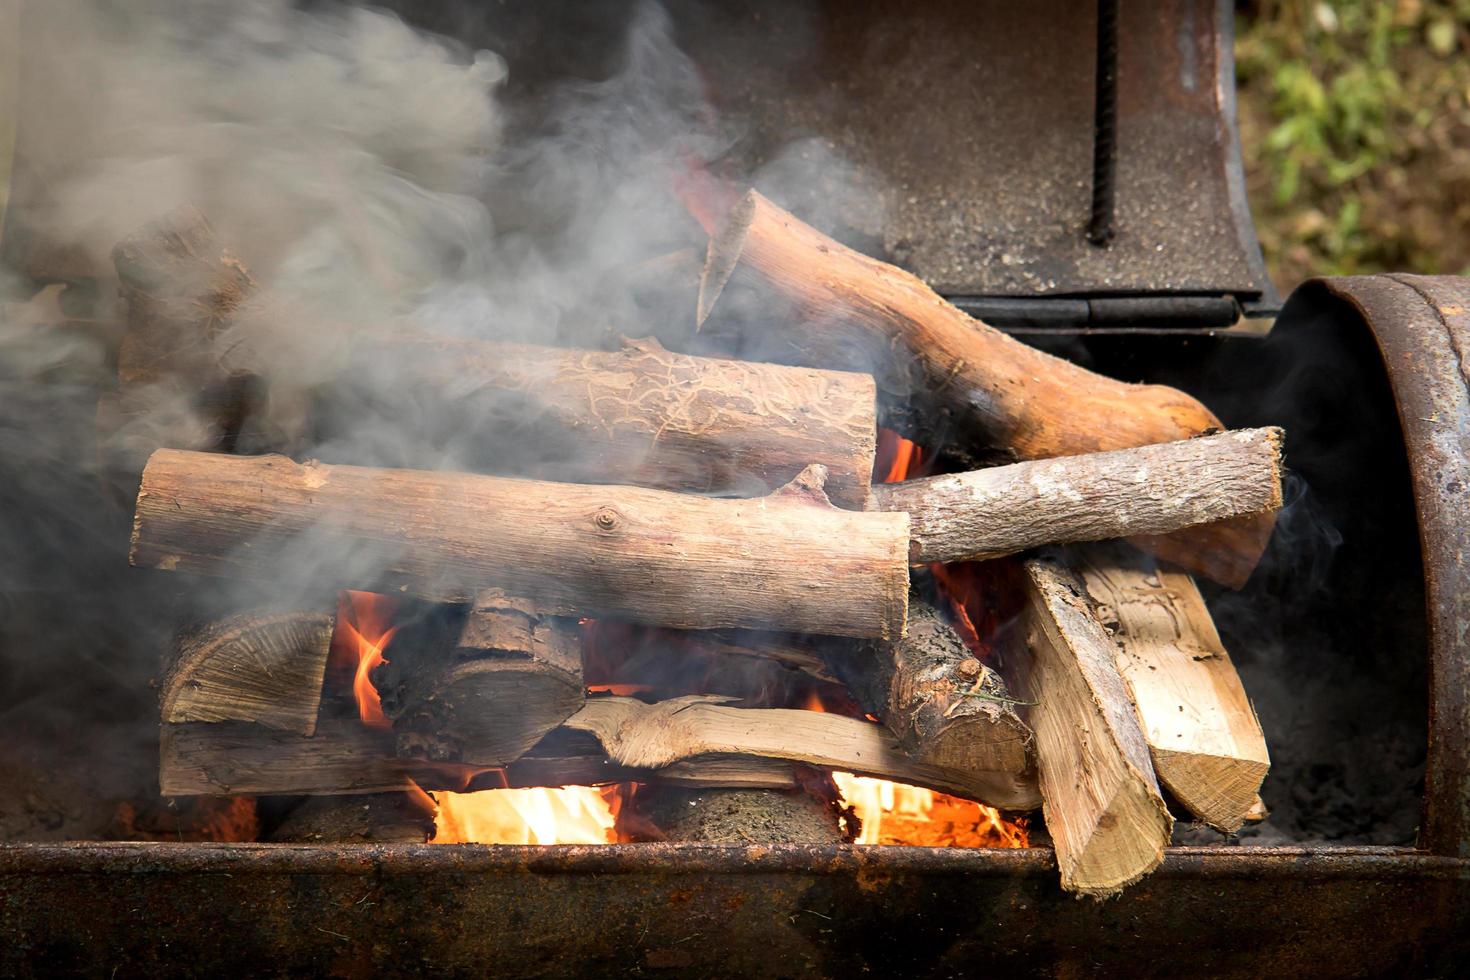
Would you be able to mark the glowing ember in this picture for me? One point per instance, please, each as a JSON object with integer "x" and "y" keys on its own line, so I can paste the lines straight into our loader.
{"x": 893, "y": 813}
{"x": 569, "y": 815}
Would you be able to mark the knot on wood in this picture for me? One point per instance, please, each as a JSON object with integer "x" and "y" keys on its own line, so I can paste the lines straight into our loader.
{"x": 607, "y": 519}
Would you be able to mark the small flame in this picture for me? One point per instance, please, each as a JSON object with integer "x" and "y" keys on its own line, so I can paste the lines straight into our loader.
{"x": 895, "y": 813}
{"x": 364, "y": 630}
{"x": 568, "y": 815}
{"x": 897, "y": 457}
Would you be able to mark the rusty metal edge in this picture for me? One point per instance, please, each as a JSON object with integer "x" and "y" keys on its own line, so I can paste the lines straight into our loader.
{"x": 1422, "y": 329}
{"x": 163, "y": 858}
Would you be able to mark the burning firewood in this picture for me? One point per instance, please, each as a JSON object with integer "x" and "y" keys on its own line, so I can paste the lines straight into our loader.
{"x": 651, "y": 736}
{"x": 1100, "y": 798}
{"x": 943, "y": 705}
{"x": 1005, "y": 510}
{"x": 264, "y": 666}
{"x": 855, "y": 312}
{"x": 373, "y": 818}
{"x": 483, "y": 687}
{"x": 646, "y": 555}
{"x": 1204, "y": 738}
{"x": 728, "y": 816}
{"x": 229, "y": 758}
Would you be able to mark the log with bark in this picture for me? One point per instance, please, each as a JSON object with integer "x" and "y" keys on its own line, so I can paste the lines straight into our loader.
{"x": 1100, "y": 798}
{"x": 944, "y": 706}
{"x": 651, "y": 736}
{"x": 265, "y": 666}
{"x": 728, "y": 816}
{"x": 991, "y": 391}
{"x": 641, "y": 415}
{"x": 1155, "y": 489}
{"x": 482, "y": 685}
{"x": 1206, "y": 744}
{"x": 646, "y": 555}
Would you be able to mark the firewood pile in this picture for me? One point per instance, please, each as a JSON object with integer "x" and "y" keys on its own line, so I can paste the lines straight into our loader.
{"x": 728, "y": 507}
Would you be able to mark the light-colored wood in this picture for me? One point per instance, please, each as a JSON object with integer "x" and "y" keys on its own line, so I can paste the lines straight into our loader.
{"x": 1155, "y": 489}
{"x": 647, "y": 555}
{"x": 642, "y": 416}
{"x": 847, "y": 310}
{"x": 509, "y": 676}
{"x": 264, "y": 666}
{"x": 944, "y": 706}
{"x": 1101, "y": 801}
{"x": 651, "y": 736}
{"x": 1206, "y": 743}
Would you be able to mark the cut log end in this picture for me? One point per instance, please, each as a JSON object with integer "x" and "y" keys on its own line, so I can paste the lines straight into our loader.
{"x": 1221, "y": 790}
{"x": 1125, "y": 844}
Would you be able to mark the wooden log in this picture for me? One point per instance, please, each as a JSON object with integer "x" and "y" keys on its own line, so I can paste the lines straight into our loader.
{"x": 1100, "y": 799}
{"x": 345, "y": 758}
{"x": 989, "y": 390}
{"x": 1155, "y": 489}
{"x": 509, "y": 676}
{"x": 373, "y": 818}
{"x": 641, "y": 416}
{"x": 264, "y": 666}
{"x": 651, "y": 736}
{"x": 944, "y": 706}
{"x": 1204, "y": 738}
{"x": 230, "y": 758}
{"x": 646, "y": 555}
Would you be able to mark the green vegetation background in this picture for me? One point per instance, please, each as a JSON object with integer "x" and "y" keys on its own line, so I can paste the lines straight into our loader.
{"x": 1355, "y": 126}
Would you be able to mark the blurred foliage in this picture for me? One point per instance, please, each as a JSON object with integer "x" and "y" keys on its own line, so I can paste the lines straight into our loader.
{"x": 1355, "y": 126}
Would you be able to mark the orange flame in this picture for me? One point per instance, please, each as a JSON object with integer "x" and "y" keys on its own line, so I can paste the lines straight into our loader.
{"x": 568, "y": 815}
{"x": 364, "y": 629}
{"x": 895, "y": 813}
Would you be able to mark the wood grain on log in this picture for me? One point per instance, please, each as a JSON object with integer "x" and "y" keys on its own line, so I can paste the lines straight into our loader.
{"x": 646, "y": 555}
{"x": 1100, "y": 798}
{"x": 652, "y": 736}
{"x": 1005, "y": 510}
{"x": 230, "y": 758}
{"x": 642, "y": 416}
{"x": 1205, "y": 740}
{"x": 944, "y": 706}
{"x": 851, "y": 311}
{"x": 264, "y": 666}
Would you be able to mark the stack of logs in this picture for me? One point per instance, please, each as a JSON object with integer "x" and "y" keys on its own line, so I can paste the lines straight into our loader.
{"x": 729, "y": 505}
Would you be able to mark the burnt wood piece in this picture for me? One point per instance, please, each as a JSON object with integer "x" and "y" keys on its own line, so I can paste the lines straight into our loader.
{"x": 987, "y": 389}
{"x": 944, "y": 706}
{"x": 1155, "y": 489}
{"x": 651, "y": 736}
{"x": 264, "y": 666}
{"x": 1102, "y": 804}
{"x": 485, "y": 688}
{"x": 645, "y": 555}
{"x": 642, "y": 415}
{"x": 728, "y": 816}
{"x": 1203, "y": 735}
{"x": 373, "y": 818}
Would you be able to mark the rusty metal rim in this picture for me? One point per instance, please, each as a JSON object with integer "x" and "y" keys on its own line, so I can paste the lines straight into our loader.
{"x": 398, "y": 859}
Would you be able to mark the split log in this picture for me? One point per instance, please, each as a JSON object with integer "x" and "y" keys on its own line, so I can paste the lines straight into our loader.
{"x": 508, "y": 676}
{"x": 264, "y": 666}
{"x": 345, "y": 758}
{"x": 728, "y": 816}
{"x": 375, "y": 818}
{"x": 229, "y": 758}
{"x": 1202, "y": 733}
{"x": 856, "y": 312}
{"x": 651, "y": 736}
{"x": 1155, "y": 489}
{"x": 646, "y": 555}
{"x": 1102, "y": 804}
{"x": 642, "y": 416}
{"x": 944, "y": 706}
